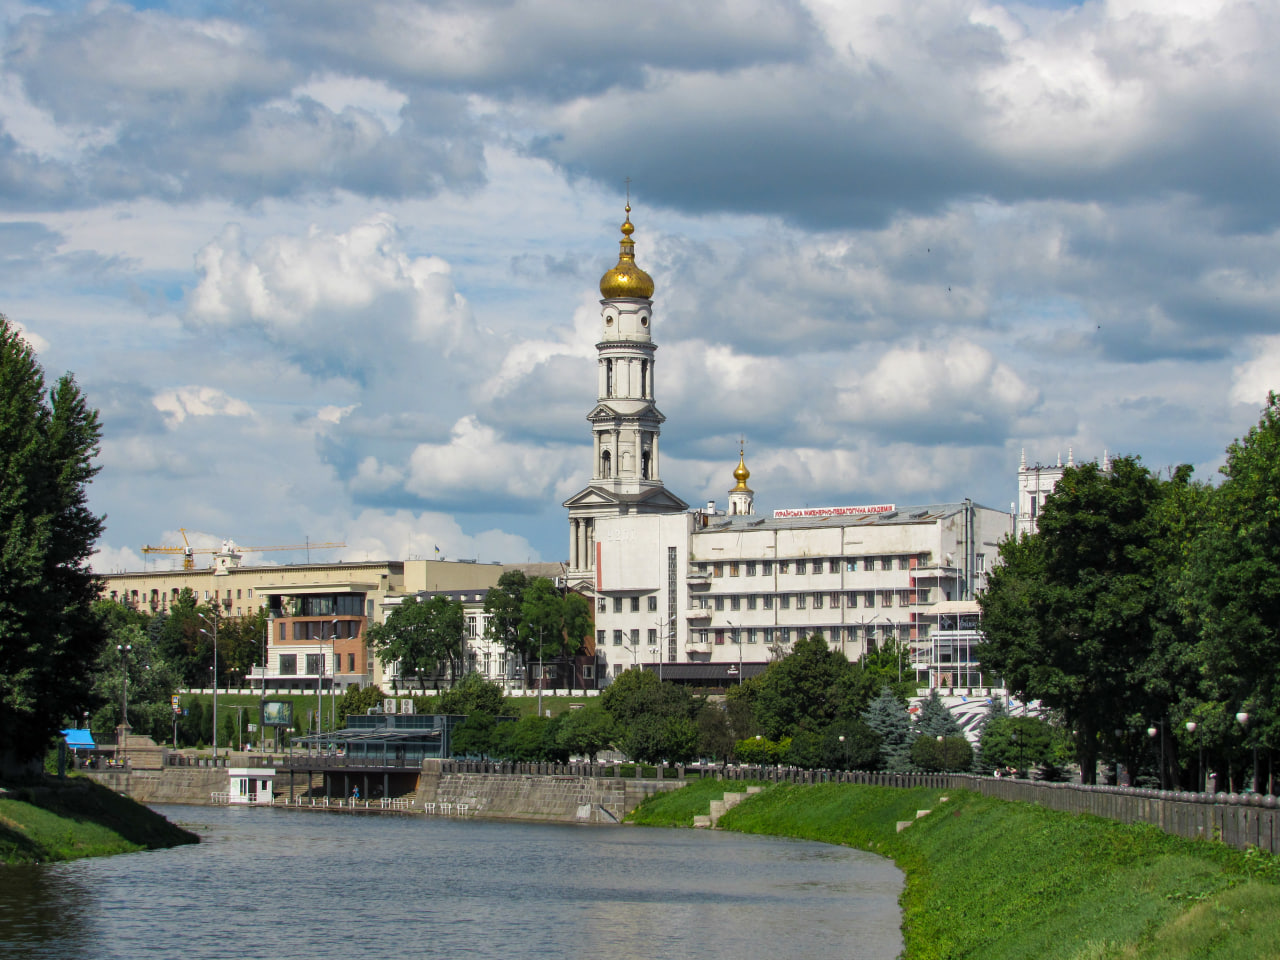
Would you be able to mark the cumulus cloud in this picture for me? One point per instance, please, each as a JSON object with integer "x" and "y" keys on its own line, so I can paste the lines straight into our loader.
{"x": 185, "y": 402}
{"x": 404, "y": 534}
{"x": 1258, "y": 376}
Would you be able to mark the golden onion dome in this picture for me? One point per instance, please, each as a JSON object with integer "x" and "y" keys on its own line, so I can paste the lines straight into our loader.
{"x": 626, "y": 279}
{"x": 741, "y": 473}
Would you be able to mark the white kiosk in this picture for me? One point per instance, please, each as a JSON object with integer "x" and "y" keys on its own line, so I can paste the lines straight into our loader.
{"x": 251, "y": 785}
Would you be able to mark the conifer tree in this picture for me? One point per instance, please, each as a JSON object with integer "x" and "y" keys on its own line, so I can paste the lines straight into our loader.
{"x": 49, "y": 636}
{"x": 888, "y": 717}
{"x": 935, "y": 719}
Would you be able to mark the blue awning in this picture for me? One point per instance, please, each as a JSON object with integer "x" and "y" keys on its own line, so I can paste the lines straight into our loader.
{"x": 79, "y": 739}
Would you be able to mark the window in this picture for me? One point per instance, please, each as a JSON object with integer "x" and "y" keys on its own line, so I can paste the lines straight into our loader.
{"x": 617, "y": 638}
{"x": 802, "y": 567}
{"x": 351, "y": 663}
{"x": 601, "y": 605}
{"x": 851, "y": 566}
{"x": 635, "y": 637}
{"x": 766, "y": 568}
{"x": 617, "y": 604}
{"x": 288, "y": 665}
{"x": 751, "y": 635}
{"x": 783, "y": 566}
{"x": 653, "y": 604}
{"x": 735, "y": 603}
{"x": 719, "y": 603}
{"x": 800, "y": 601}
{"x": 733, "y": 569}
{"x": 635, "y": 604}
{"x": 720, "y": 638}
{"x": 869, "y": 598}
{"x": 653, "y": 636}
{"x": 886, "y": 563}
{"x": 817, "y": 601}
{"x": 751, "y": 568}
{"x": 717, "y": 570}
{"x": 768, "y": 601}
{"x": 768, "y": 634}
{"x": 736, "y": 635}
{"x": 833, "y": 566}
{"x": 599, "y": 638}
{"x": 751, "y": 602}
{"x": 904, "y": 563}
{"x": 784, "y": 601}
{"x": 250, "y": 593}
{"x": 238, "y": 596}
{"x": 315, "y": 664}
{"x": 835, "y": 601}
{"x": 588, "y": 671}
{"x": 851, "y": 600}
{"x": 784, "y": 634}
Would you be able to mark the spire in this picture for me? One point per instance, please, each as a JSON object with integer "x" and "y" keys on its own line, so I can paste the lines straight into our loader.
{"x": 626, "y": 279}
{"x": 1023, "y": 465}
{"x": 740, "y": 472}
{"x": 1106, "y": 461}
{"x": 1071, "y": 457}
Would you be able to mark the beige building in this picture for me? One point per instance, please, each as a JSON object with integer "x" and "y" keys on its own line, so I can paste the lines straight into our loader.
{"x": 319, "y": 613}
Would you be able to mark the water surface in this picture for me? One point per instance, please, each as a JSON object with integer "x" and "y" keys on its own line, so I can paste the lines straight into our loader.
{"x": 289, "y": 883}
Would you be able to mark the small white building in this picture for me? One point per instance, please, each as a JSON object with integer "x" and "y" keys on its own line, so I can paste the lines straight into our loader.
{"x": 251, "y": 785}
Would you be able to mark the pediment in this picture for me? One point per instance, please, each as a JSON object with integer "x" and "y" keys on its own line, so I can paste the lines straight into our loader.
{"x": 605, "y": 412}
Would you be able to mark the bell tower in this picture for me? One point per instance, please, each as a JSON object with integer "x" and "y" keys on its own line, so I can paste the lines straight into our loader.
{"x": 625, "y": 422}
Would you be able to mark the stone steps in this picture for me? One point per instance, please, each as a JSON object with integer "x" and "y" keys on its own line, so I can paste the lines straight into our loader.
{"x": 721, "y": 806}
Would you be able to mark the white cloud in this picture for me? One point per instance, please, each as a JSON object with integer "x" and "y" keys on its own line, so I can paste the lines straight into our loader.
{"x": 404, "y": 534}
{"x": 37, "y": 343}
{"x": 108, "y": 559}
{"x": 1259, "y": 375}
{"x": 199, "y": 402}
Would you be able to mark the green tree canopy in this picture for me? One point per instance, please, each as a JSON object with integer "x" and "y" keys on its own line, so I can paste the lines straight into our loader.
{"x": 422, "y": 635}
{"x": 49, "y": 636}
{"x": 887, "y": 716}
{"x": 635, "y": 694}
{"x": 473, "y": 694}
{"x": 587, "y": 730}
{"x": 1072, "y": 615}
{"x": 806, "y": 689}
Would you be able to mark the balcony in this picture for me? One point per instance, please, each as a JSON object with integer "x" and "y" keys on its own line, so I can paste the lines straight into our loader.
{"x": 697, "y": 646}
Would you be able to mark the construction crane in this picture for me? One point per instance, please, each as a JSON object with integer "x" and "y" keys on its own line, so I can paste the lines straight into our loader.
{"x": 189, "y": 552}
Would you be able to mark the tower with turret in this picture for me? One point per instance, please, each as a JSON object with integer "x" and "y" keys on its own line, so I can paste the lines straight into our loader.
{"x": 625, "y": 422}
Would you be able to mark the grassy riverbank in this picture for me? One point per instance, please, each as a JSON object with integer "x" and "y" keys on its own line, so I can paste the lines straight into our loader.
{"x": 992, "y": 879}
{"x": 48, "y": 819}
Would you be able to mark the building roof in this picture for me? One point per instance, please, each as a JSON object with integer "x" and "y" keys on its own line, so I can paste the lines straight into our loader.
{"x": 929, "y": 513}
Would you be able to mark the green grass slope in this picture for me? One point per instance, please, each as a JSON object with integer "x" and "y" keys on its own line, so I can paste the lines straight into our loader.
{"x": 992, "y": 879}
{"x": 63, "y": 820}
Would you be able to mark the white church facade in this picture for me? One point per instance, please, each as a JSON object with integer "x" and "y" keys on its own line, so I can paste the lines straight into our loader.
{"x": 709, "y": 597}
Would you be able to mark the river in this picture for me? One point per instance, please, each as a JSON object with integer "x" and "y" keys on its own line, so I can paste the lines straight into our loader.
{"x": 286, "y": 883}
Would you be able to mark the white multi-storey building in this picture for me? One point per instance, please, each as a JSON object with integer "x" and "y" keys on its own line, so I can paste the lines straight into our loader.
{"x": 708, "y": 597}
{"x": 1035, "y": 483}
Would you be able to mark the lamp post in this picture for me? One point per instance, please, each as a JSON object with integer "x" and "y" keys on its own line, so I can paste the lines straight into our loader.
{"x": 1191, "y": 729}
{"x": 1153, "y": 731}
{"x": 214, "y": 635}
{"x": 845, "y": 745}
{"x": 124, "y": 650}
{"x": 1242, "y": 718}
{"x": 1119, "y": 746}
{"x": 333, "y": 682}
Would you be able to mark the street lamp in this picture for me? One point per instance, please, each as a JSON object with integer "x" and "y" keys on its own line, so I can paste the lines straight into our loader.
{"x": 333, "y": 667}
{"x": 846, "y": 751}
{"x": 1153, "y": 731}
{"x": 214, "y": 635}
{"x": 124, "y": 651}
{"x": 1242, "y": 718}
{"x": 1191, "y": 729}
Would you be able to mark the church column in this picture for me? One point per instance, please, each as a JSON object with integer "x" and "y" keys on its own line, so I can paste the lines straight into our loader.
{"x": 654, "y": 474}
{"x": 573, "y": 545}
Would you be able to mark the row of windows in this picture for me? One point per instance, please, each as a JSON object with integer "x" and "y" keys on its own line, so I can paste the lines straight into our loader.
{"x": 156, "y": 596}
{"x": 768, "y": 635}
{"x": 870, "y": 599}
{"x": 765, "y": 568}
{"x": 320, "y": 630}
{"x": 602, "y": 605}
{"x": 288, "y": 664}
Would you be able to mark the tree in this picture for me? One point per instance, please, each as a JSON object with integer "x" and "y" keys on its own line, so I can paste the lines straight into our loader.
{"x": 504, "y": 604}
{"x": 850, "y": 745}
{"x": 1232, "y": 592}
{"x": 635, "y": 694}
{"x": 1072, "y": 614}
{"x": 423, "y": 635}
{"x": 1017, "y": 742}
{"x": 715, "y": 734}
{"x": 358, "y": 701}
{"x": 474, "y": 736}
{"x": 473, "y": 694}
{"x": 935, "y": 720}
{"x": 939, "y": 754}
{"x": 587, "y": 731}
{"x": 49, "y": 637}
{"x": 887, "y": 716}
{"x": 558, "y": 623}
{"x": 806, "y": 689}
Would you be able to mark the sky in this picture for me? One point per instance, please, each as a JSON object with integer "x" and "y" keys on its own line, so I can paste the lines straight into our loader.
{"x": 329, "y": 270}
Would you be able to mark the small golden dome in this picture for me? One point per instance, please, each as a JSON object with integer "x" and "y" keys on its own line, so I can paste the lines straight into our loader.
{"x": 741, "y": 473}
{"x": 626, "y": 279}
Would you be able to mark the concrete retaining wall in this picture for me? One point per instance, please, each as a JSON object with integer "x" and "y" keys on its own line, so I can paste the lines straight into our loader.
{"x": 571, "y": 798}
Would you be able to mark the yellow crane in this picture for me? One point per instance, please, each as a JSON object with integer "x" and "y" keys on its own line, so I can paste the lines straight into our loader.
{"x": 189, "y": 552}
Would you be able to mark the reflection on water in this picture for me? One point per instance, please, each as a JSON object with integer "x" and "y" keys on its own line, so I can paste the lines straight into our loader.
{"x": 280, "y": 883}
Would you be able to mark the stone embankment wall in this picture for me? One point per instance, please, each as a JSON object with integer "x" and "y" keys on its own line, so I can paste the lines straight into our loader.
{"x": 566, "y": 798}
{"x": 167, "y": 785}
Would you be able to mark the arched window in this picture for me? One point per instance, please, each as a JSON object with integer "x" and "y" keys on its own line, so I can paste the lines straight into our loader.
{"x": 644, "y": 378}
{"x": 644, "y": 465}
{"x": 606, "y": 464}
